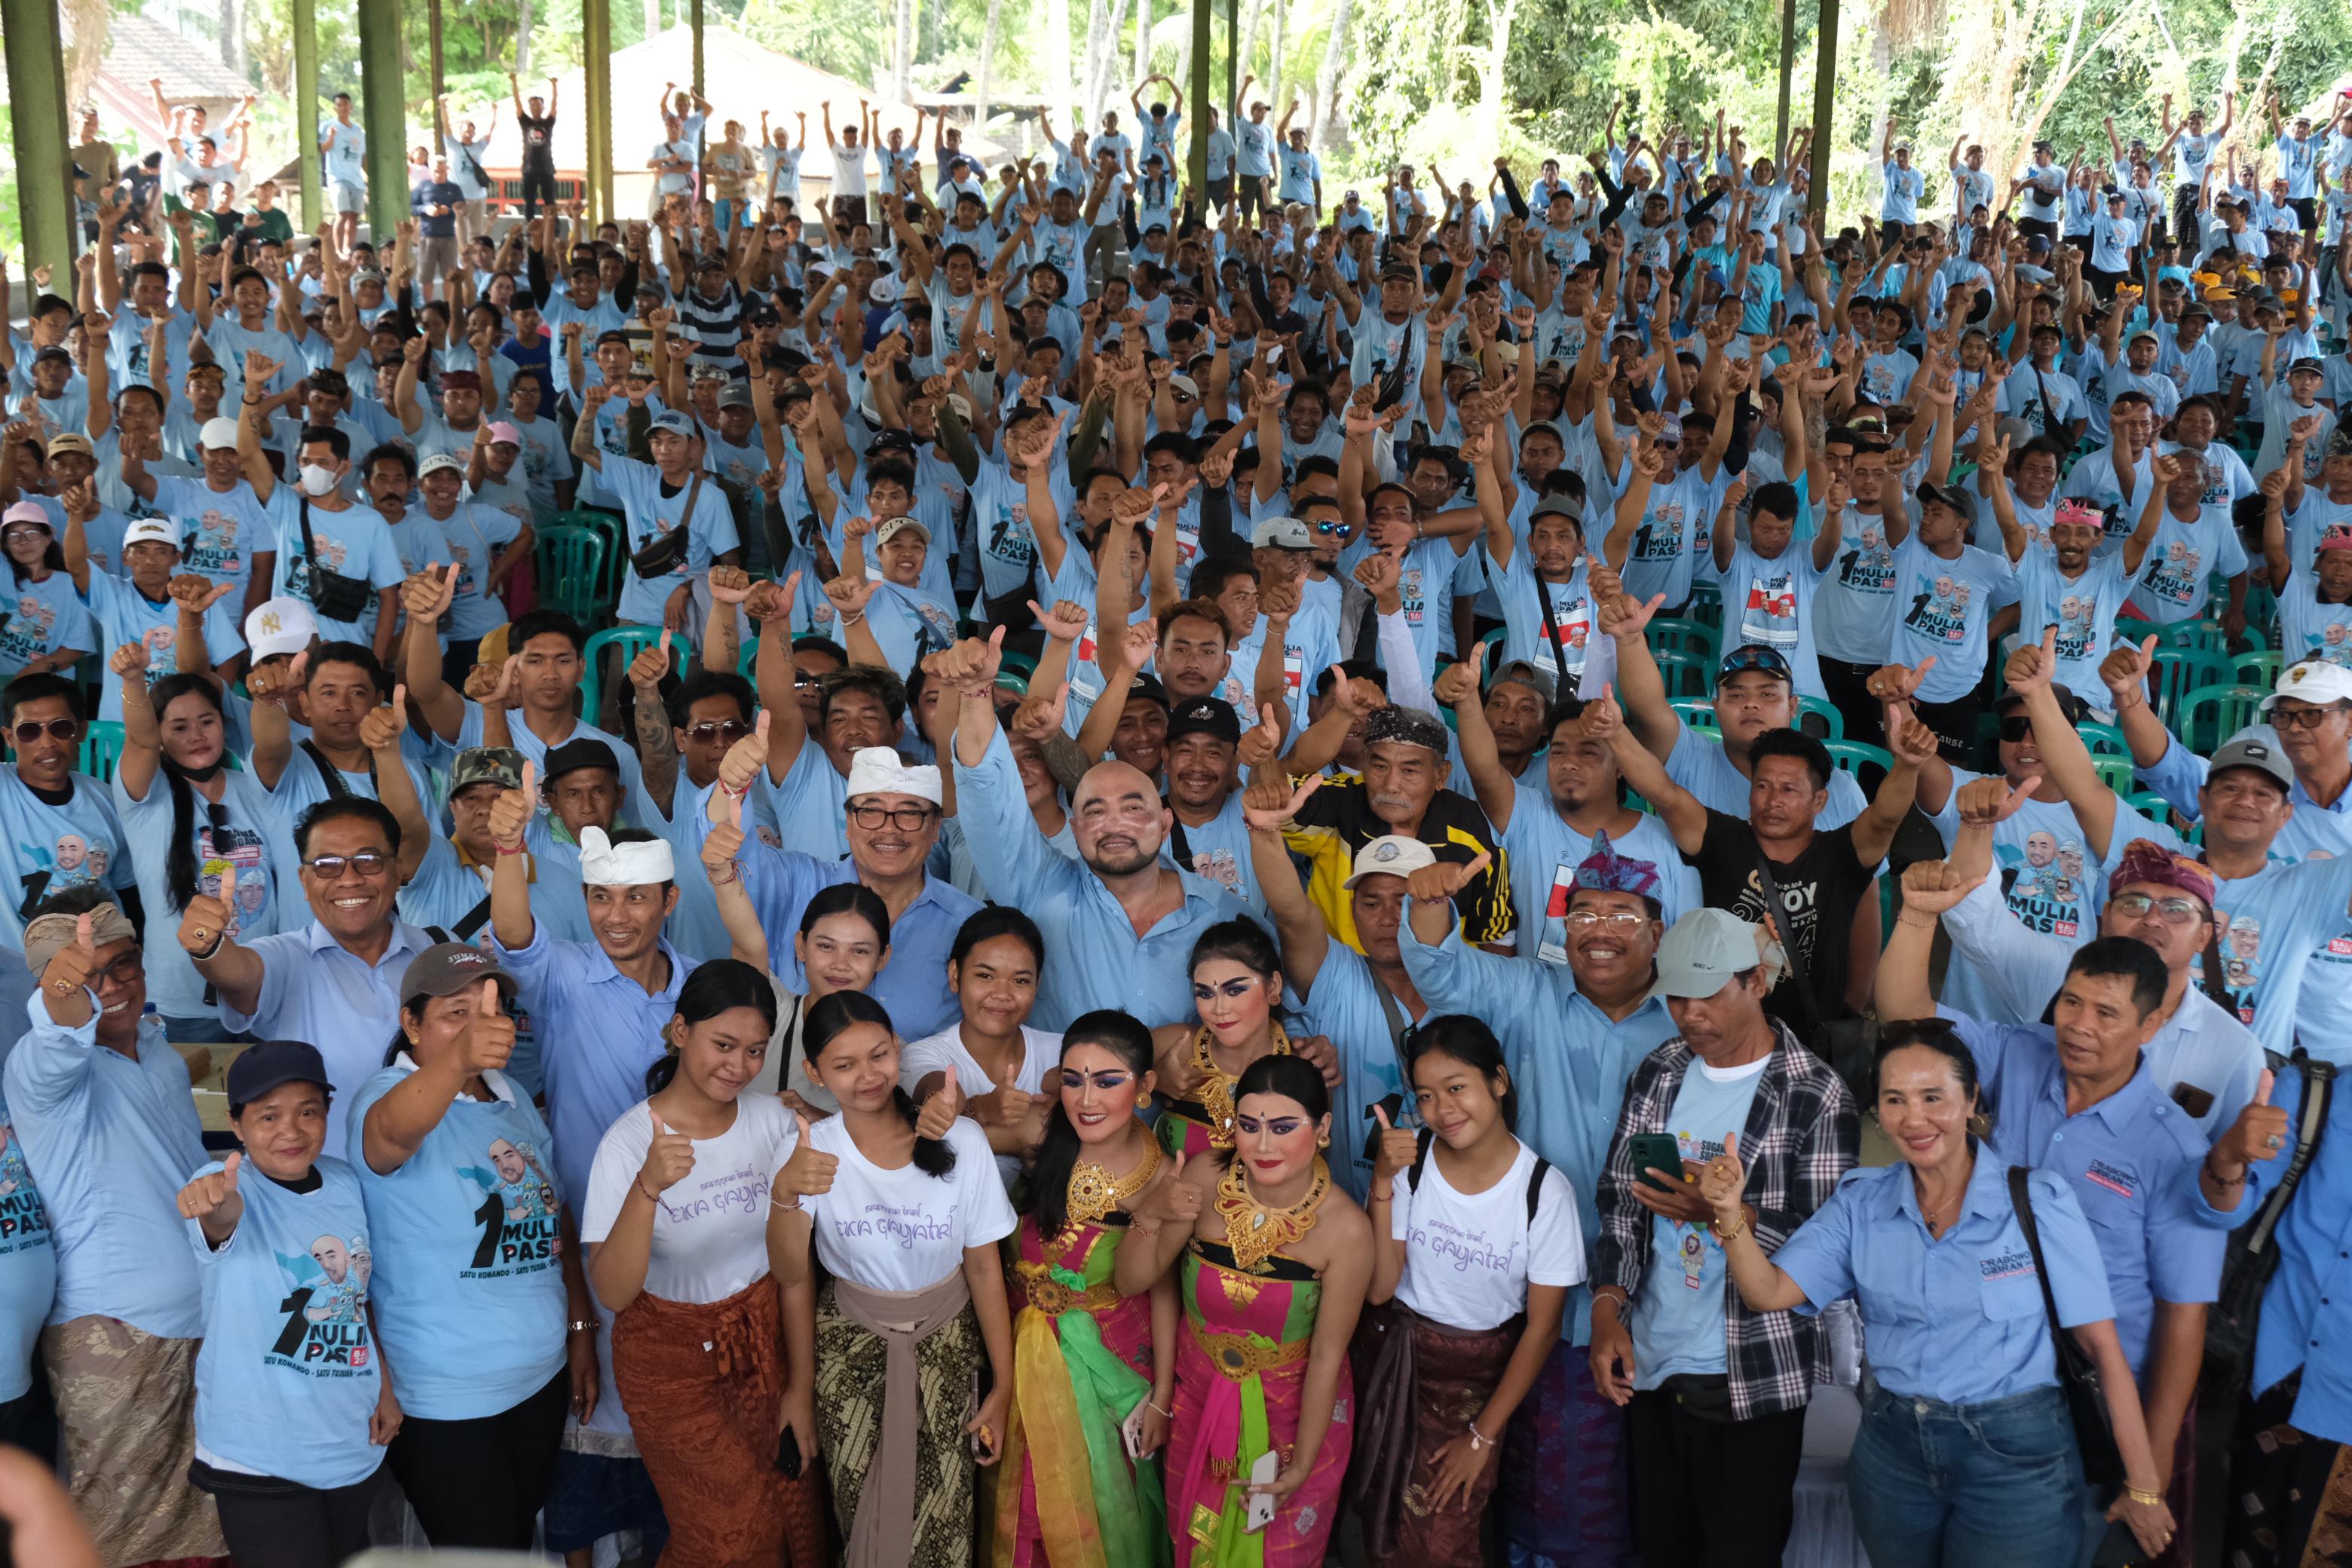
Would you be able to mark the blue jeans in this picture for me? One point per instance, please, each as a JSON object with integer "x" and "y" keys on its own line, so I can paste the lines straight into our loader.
{"x": 1996, "y": 1485}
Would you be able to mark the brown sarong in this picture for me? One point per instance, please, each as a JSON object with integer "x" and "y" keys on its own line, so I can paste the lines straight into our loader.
{"x": 127, "y": 1402}
{"x": 885, "y": 1473}
{"x": 1426, "y": 1383}
{"x": 703, "y": 1386}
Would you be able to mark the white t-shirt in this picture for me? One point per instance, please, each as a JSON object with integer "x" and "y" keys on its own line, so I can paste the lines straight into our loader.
{"x": 711, "y": 1230}
{"x": 1041, "y": 1053}
{"x": 902, "y": 1230}
{"x": 1469, "y": 1257}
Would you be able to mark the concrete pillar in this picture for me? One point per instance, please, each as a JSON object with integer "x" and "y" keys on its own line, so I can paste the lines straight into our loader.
{"x": 596, "y": 72}
{"x": 305, "y": 110}
{"x": 1196, "y": 149}
{"x": 384, "y": 112}
{"x": 695, "y": 16}
{"x": 1824, "y": 107}
{"x": 36, "y": 100}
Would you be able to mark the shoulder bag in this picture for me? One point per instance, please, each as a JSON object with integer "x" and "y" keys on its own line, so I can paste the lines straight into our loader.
{"x": 667, "y": 552}
{"x": 335, "y": 597}
{"x": 2078, "y": 1376}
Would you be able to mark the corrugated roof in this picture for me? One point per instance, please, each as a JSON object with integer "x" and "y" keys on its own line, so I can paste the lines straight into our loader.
{"x": 139, "y": 49}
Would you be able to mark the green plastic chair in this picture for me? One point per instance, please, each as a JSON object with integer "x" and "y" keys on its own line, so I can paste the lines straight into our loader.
{"x": 1698, "y": 713}
{"x": 1685, "y": 636}
{"x": 1826, "y": 711}
{"x": 1852, "y": 756}
{"x": 570, "y": 564}
{"x": 2115, "y": 772}
{"x": 2206, "y": 634}
{"x": 102, "y": 745}
{"x": 629, "y": 641}
{"x": 1706, "y": 606}
{"x": 614, "y": 530}
{"x": 2103, "y": 740}
{"x": 1686, "y": 674}
{"x": 2181, "y": 670}
{"x": 2148, "y": 803}
{"x": 2210, "y": 715}
{"x": 2259, "y": 668}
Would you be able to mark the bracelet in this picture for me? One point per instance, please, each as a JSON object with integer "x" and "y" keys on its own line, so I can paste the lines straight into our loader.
{"x": 727, "y": 881}
{"x": 654, "y": 1198}
{"x": 1478, "y": 1439}
{"x": 1170, "y": 1415}
{"x": 2145, "y": 1500}
{"x": 582, "y": 1326}
{"x": 504, "y": 850}
{"x": 1613, "y": 1299}
{"x": 2217, "y": 1178}
{"x": 1740, "y": 1229}
{"x": 211, "y": 952}
{"x": 731, "y": 791}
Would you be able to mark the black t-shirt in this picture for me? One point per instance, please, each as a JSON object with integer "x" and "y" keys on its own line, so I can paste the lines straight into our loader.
{"x": 537, "y": 141}
{"x": 1820, "y": 888}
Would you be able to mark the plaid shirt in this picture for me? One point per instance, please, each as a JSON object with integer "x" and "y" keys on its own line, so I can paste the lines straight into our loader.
{"x": 1802, "y": 1136}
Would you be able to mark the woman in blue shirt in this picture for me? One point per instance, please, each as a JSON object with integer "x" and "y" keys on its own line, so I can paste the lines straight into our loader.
{"x": 1967, "y": 1456}
{"x": 46, "y": 627}
{"x": 293, "y": 1410}
{"x": 480, "y": 1270}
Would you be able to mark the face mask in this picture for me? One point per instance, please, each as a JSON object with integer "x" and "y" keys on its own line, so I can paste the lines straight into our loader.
{"x": 317, "y": 481}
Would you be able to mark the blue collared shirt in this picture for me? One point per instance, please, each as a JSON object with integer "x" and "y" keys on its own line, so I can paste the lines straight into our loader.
{"x": 1957, "y": 1317}
{"x": 598, "y": 1031}
{"x": 1094, "y": 957}
{"x": 913, "y": 985}
{"x": 112, "y": 1141}
{"x": 316, "y": 990}
{"x": 1569, "y": 1062}
{"x": 2131, "y": 1160}
{"x": 2307, "y": 1308}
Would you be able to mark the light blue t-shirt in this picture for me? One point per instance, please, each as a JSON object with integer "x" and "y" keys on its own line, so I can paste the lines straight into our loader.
{"x": 650, "y": 515}
{"x": 1942, "y": 607}
{"x": 44, "y": 617}
{"x": 52, "y": 848}
{"x": 1344, "y": 1006}
{"x": 346, "y": 156}
{"x": 290, "y": 1374}
{"x": 245, "y": 831}
{"x": 469, "y": 1297}
{"x": 1771, "y": 601}
{"x": 29, "y": 1266}
{"x": 2083, "y": 610}
{"x": 124, "y": 614}
{"x": 2181, "y": 558}
{"x": 1699, "y": 763}
{"x": 220, "y": 532}
{"x": 1677, "y": 1320}
{"x": 1855, "y": 602}
{"x": 354, "y": 543}
{"x": 1544, "y": 852}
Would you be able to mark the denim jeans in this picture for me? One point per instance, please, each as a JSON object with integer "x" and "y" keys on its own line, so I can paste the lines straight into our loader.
{"x": 1996, "y": 1485}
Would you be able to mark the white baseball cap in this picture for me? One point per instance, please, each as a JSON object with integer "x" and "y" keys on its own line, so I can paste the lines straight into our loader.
{"x": 438, "y": 461}
{"x": 278, "y": 625}
{"x": 1391, "y": 854}
{"x": 2314, "y": 681}
{"x": 217, "y": 432}
{"x": 150, "y": 530}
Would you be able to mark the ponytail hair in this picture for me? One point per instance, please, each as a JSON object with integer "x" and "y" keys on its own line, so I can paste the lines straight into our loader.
{"x": 719, "y": 986}
{"x": 829, "y": 1017}
{"x": 1057, "y": 1155}
{"x": 181, "y": 871}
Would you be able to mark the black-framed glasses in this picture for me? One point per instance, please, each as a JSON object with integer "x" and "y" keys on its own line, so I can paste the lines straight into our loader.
{"x": 905, "y": 818}
{"x": 366, "y": 863}
{"x": 728, "y": 729}
{"x": 33, "y": 729}
{"x": 2173, "y": 911}
{"x": 2287, "y": 718}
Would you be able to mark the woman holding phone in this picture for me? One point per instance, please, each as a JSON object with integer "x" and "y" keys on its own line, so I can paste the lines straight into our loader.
{"x": 906, "y": 1211}
{"x": 675, "y": 1226}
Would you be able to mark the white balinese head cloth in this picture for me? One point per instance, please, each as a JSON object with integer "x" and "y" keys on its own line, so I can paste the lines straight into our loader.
{"x": 604, "y": 864}
{"x": 877, "y": 770}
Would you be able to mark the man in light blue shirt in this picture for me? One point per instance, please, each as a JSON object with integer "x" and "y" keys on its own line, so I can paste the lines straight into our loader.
{"x": 1120, "y": 922}
{"x": 102, "y": 1103}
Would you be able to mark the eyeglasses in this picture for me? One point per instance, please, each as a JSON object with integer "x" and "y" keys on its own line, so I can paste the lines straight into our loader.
{"x": 2016, "y": 729}
{"x": 1624, "y": 922}
{"x": 2175, "y": 911}
{"x": 56, "y": 729}
{"x": 366, "y": 863}
{"x": 2287, "y": 718}
{"x": 905, "y": 818}
{"x": 127, "y": 969}
{"x": 1327, "y": 526}
{"x": 728, "y": 729}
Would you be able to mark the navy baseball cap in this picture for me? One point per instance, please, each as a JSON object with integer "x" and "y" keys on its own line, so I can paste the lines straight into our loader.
{"x": 1755, "y": 656}
{"x": 259, "y": 1069}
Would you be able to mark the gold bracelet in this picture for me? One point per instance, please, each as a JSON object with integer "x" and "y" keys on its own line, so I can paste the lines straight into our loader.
{"x": 1740, "y": 1229}
{"x": 2145, "y": 1500}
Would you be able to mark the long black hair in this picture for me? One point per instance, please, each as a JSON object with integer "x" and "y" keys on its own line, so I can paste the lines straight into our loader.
{"x": 54, "y": 558}
{"x": 829, "y": 1016}
{"x": 848, "y": 898}
{"x": 1057, "y": 1155}
{"x": 180, "y": 869}
{"x": 1467, "y": 1040}
{"x": 1293, "y": 1077}
{"x": 719, "y": 986}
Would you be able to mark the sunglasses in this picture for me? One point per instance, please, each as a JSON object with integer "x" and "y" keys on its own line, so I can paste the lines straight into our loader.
{"x": 56, "y": 729}
{"x": 2015, "y": 730}
{"x": 728, "y": 729}
{"x": 366, "y": 863}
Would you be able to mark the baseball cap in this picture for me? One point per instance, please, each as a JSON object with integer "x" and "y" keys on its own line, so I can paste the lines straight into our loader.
{"x": 72, "y": 441}
{"x": 145, "y": 530}
{"x": 448, "y": 967}
{"x": 884, "y": 290}
{"x": 1185, "y": 385}
{"x": 1147, "y": 686}
{"x": 276, "y": 626}
{"x": 500, "y": 765}
{"x": 218, "y": 433}
{"x": 1952, "y": 496}
{"x": 2312, "y": 365}
{"x": 671, "y": 420}
{"x": 1758, "y": 656}
{"x": 735, "y": 394}
{"x": 1706, "y": 951}
{"x": 504, "y": 434}
{"x": 2069, "y": 703}
{"x": 2308, "y": 680}
{"x": 2249, "y": 751}
{"x": 1391, "y": 854}
{"x": 574, "y": 755}
{"x": 259, "y": 1069}
{"x": 28, "y": 511}
{"x": 1527, "y": 672}
{"x": 1558, "y": 506}
{"x": 460, "y": 381}
{"x": 438, "y": 461}
{"x": 1281, "y": 534}
{"x": 1205, "y": 716}
{"x": 897, "y": 526}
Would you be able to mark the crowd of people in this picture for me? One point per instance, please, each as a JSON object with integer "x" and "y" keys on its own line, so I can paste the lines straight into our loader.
{"x": 1031, "y": 866}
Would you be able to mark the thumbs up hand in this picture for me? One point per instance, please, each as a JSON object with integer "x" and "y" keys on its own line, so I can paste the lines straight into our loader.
{"x": 809, "y": 1171}
{"x": 939, "y": 1112}
{"x": 489, "y": 1038}
{"x": 204, "y": 925}
{"x": 212, "y": 1192}
{"x": 669, "y": 1159}
{"x": 1722, "y": 1182}
{"x": 68, "y": 974}
{"x": 2258, "y": 1133}
{"x": 1178, "y": 1198}
{"x": 1398, "y": 1146}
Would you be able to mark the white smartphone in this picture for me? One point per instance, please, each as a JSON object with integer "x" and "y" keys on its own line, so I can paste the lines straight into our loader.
{"x": 1261, "y": 1504}
{"x": 1131, "y": 1431}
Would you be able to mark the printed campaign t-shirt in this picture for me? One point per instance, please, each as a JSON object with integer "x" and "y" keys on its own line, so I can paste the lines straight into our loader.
{"x": 710, "y": 1226}
{"x": 1469, "y": 1257}
{"x": 353, "y": 542}
{"x": 1678, "y": 1324}
{"x": 220, "y": 534}
{"x": 2083, "y": 610}
{"x": 289, "y": 1373}
{"x": 1855, "y": 602}
{"x": 1941, "y": 607}
{"x": 1771, "y": 601}
{"x": 2182, "y": 556}
{"x": 903, "y": 1230}
{"x": 76, "y": 843}
{"x": 652, "y": 515}
{"x": 28, "y": 1264}
{"x": 472, "y": 1306}
{"x": 245, "y": 831}
{"x": 2049, "y": 881}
